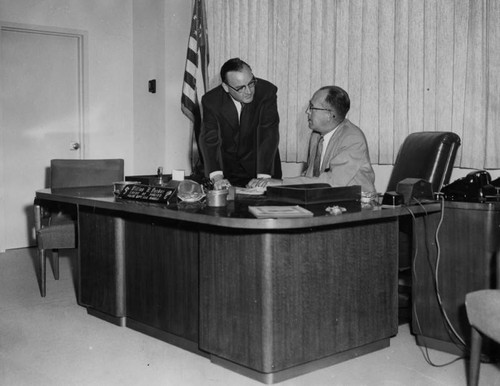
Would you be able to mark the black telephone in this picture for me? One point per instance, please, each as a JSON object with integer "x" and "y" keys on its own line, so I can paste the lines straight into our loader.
{"x": 475, "y": 186}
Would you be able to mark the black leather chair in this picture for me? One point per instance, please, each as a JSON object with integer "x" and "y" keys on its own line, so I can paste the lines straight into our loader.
{"x": 427, "y": 155}
{"x": 55, "y": 226}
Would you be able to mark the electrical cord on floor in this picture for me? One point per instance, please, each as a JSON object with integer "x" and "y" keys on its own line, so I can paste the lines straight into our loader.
{"x": 424, "y": 349}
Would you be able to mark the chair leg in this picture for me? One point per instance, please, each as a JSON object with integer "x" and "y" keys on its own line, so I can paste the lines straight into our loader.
{"x": 55, "y": 263}
{"x": 475, "y": 357}
{"x": 41, "y": 256}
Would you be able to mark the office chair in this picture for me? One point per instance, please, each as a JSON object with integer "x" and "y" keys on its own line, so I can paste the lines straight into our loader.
{"x": 427, "y": 155}
{"x": 483, "y": 311}
{"x": 56, "y": 226}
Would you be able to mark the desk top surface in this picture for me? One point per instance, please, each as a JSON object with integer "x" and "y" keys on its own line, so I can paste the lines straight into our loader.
{"x": 234, "y": 215}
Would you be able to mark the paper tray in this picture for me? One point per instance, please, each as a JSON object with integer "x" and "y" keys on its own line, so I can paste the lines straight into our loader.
{"x": 313, "y": 193}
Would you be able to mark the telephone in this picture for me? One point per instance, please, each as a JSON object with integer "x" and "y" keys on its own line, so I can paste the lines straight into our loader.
{"x": 476, "y": 186}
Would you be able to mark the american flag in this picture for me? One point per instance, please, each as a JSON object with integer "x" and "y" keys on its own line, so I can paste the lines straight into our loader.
{"x": 196, "y": 69}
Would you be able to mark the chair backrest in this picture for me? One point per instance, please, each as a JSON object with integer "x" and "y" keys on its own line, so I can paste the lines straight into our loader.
{"x": 428, "y": 155}
{"x": 66, "y": 173}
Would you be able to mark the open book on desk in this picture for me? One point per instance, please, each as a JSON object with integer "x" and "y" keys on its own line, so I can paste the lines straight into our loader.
{"x": 288, "y": 211}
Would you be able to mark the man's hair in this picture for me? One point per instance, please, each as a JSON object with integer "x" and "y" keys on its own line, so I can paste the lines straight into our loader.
{"x": 338, "y": 99}
{"x": 234, "y": 64}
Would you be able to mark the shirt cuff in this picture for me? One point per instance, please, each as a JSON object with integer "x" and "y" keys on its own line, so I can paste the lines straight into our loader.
{"x": 216, "y": 173}
{"x": 260, "y": 175}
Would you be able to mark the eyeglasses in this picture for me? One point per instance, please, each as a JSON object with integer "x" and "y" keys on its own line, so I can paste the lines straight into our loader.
{"x": 240, "y": 89}
{"x": 312, "y": 108}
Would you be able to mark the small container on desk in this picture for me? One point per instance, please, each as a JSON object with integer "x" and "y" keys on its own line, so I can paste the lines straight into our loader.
{"x": 217, "y": 198}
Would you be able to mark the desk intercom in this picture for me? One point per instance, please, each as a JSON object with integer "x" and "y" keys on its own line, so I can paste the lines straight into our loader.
{"x": 407, "y": 190}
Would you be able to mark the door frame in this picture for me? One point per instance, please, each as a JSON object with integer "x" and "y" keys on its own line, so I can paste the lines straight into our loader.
{"x": 83, "y": 102}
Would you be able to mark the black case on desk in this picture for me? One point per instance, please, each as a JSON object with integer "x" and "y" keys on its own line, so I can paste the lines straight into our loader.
{"x": 313, "y": 193}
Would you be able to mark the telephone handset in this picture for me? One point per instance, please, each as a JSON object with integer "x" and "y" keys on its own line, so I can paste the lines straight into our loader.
{"x": 476, "y": 186}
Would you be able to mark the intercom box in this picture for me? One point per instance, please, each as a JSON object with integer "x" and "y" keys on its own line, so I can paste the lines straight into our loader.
{"x": 414, "y": 188}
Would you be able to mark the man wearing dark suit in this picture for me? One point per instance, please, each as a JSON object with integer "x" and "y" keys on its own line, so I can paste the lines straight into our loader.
{"x": 240, "y": 134}
{"x": 343, "y": 158}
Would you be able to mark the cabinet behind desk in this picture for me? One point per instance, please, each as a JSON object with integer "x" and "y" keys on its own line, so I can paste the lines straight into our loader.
{"x": 469, "y": 243}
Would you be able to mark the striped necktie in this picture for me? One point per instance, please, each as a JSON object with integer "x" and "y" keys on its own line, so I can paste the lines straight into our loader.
{"x": 317, "y": 158}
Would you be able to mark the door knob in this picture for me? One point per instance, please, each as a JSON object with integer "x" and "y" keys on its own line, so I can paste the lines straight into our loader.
{"x": 74, "y": 146}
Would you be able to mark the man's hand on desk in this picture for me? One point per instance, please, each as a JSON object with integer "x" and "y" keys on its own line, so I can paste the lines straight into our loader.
{"x": 220, "y": 182}
{"x": 263, "y": 182}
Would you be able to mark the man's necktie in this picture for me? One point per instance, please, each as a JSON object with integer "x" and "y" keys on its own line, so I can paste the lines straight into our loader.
{"x": 317, "y": 158}
{"x": 243, "y": 105}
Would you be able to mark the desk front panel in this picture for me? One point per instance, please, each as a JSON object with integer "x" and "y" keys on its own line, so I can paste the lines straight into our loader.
{"x": 270, "y": 301}
{"x": 162, "y": 275}
{"x": 101, "y": 261}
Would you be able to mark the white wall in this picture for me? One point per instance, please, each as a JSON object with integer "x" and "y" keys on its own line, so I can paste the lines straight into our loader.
{"x": 108, "y": 24}
{"x": 162, "y": 132}
{"x": 129, "y": 43}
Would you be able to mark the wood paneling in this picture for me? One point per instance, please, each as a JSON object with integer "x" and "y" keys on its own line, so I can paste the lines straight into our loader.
{"x": 270, "y": 301}
{"x": 469, "y": 244}
{"x": 162, "y": 275}
{"x": 101, "y": 261}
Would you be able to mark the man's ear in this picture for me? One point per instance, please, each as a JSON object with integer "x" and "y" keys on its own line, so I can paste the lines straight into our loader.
{"x": 225, "y": 87}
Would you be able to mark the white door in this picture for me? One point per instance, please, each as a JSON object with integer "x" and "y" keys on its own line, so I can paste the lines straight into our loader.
{"x": 41, "y": 119}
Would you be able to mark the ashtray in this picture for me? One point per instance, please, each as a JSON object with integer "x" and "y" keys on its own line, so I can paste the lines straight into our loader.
{"x": 190, "y": 191}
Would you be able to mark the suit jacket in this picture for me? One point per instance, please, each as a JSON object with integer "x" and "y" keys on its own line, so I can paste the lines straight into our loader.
{"x": 241, "y": 149}
{"x": 346, "y": 161}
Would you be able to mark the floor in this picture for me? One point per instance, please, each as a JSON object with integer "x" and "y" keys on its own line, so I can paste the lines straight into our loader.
{"x": 53, "y": 341}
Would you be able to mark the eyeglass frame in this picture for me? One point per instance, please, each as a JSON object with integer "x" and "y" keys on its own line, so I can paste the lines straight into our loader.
{"x": 312, "y": 108}
{"x": 241, "y": 89}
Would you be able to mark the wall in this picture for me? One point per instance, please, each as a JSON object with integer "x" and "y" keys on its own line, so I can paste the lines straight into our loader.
{"x": 108, "y": 24}
{"x": 131, "y": 42}
{"x": 162, "y": 132}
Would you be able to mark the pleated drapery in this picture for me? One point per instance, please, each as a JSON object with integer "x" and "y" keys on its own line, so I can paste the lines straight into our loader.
{"x": 408, "y": 65}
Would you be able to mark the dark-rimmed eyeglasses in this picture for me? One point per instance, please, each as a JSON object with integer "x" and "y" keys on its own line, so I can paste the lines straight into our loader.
{"x": 240, "y": 89}
{"x": 312, "y": 108}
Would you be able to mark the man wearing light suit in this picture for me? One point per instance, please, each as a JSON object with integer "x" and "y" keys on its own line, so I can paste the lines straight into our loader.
{"x": 343, "y": 158}
{"x": 240, "y": 134}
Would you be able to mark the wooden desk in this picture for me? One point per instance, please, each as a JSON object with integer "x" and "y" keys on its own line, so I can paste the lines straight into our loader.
{"x": 269, "y": 298}
{"x": 469, "y": 240}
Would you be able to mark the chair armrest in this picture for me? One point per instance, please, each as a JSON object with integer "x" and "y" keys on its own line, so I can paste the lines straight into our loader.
{"x": 37, "y": 209}
{"x": 40, "y": 212}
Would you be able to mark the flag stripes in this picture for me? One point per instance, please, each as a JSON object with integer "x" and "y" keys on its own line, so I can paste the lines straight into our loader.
{"x": 197, "y": 52}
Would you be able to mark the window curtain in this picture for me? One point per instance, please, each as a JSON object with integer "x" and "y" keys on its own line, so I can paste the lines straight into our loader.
{"x": 408, "y": 66}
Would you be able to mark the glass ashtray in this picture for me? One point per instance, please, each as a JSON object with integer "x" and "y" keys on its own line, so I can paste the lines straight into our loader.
{"x": 190, "y": 191}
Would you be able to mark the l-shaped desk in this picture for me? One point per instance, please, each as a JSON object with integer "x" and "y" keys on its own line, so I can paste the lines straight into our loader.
{"x": 269, "y": 298}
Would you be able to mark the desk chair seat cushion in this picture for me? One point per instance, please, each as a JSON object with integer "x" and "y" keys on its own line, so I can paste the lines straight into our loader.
{"x": 483, "y": 311}
{"x": 59, "y": 235}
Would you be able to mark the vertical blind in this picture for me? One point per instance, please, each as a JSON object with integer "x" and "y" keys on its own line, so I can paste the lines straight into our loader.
{"x": 408, "y": 66}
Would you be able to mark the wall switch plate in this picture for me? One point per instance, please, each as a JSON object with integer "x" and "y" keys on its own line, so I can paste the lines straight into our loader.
{"x": 152, "y": 86}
